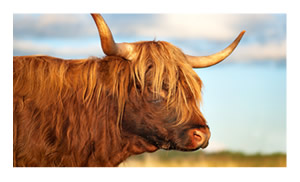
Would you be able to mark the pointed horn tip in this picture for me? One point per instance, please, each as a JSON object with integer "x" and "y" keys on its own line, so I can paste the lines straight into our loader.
{"x": 95, "y": 15}
{"x": 243, "y": 32}
{"x": 240, "y": 36}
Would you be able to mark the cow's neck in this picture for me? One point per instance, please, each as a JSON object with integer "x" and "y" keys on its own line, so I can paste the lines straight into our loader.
{"x": 133, "y": 145}
{"x": 115, "y": 153}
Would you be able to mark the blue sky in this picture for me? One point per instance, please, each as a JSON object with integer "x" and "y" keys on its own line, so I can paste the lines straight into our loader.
{"x": 244, "y": 97}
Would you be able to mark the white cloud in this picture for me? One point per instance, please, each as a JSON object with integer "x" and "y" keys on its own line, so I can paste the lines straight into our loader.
{"x": 275, "y": 51}
{"x": 54, "y": 25}
{"x": 218, "y": 27}
{"x": 29, "y": 46}
{"x": 214, "y": 27}
{"x": 68, "y": 51}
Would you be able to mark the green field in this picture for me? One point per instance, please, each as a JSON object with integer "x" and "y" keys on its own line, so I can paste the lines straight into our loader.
{"x": 202, "y": 159}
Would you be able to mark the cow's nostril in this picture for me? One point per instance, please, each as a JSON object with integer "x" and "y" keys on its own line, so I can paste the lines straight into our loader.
{"x": 199, "y": 138}
{"x": 197, "y": 135}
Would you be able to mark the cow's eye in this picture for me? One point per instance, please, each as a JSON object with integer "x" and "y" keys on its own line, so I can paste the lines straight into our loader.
{"x": 156, "y": 101}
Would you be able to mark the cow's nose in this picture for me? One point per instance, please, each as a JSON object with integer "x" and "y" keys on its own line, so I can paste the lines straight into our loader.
{"x": 200, "y": 138}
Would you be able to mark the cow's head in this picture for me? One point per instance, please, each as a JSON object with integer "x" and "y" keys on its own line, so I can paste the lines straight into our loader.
{"x": 162, "y": 107}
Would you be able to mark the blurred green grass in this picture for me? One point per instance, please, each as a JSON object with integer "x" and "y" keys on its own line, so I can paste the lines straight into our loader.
{"x": 164, "y": 158}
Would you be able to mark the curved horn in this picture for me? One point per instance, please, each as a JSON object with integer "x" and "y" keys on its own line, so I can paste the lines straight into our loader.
{"x": 109, "y": 47}
{"x": 206, "y": 61}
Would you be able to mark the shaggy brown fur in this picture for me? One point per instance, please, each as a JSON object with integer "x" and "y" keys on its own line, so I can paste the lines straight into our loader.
{"x": 70, "y": 112}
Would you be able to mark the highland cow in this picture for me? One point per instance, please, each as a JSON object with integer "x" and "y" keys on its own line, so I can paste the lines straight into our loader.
{"x": 141, "y": 97}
